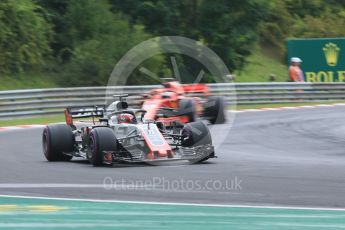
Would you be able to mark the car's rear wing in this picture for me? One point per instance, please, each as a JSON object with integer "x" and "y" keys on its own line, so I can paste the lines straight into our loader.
{"x": 93, "y": 111}
{"x": 196, "y": 88}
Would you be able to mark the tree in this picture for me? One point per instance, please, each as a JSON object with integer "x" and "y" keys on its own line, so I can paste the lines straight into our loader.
{"x": 276, "y": 26}
{"x": 98, "y": 38}
{"x": 25, "y": 36}
{"x": 227, "y": 27}
{"x": 230, "y": 28}
{"x": 301, "y": 19}
{"x": 55, "y": 15}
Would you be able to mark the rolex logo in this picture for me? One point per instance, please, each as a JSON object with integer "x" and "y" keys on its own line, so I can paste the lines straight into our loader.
{"x": 331, "y": 51}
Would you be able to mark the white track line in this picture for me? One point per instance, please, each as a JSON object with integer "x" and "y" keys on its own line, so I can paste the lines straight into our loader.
{"x": 177, "y": 203}
{"x": 112, "y": 186}
{"x": 251, "y": 110}
{"x": 57, "y": 185}
{"x": 290, "y": 108}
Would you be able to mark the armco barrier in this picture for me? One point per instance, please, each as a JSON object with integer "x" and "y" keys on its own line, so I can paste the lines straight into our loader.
{"x": 20, "y": 103}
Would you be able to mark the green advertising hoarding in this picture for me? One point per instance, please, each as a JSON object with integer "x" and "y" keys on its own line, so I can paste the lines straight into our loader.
{"x": 323, "y": 59}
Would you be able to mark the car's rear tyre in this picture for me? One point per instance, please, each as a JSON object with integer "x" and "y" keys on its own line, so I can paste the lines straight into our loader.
{"x": 195, "y": 134}
{"x": 215, "y": 110}
{"x": 58, "y": 140}
{"x": 101, "y": 139}
{"x": 187, "y": 108}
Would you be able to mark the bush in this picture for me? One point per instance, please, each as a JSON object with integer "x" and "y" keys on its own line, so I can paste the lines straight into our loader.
{"x": 25, "y": 36}
{"x": 99, "y": 39}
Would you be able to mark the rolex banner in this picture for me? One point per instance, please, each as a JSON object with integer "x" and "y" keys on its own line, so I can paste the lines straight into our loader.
{"x": 323, "y": 59}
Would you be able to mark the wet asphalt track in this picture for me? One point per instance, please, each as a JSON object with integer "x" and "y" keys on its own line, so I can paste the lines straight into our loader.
{"x": 293, "y": 158}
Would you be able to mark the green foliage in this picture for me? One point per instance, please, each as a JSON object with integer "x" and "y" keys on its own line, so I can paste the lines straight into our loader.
{"x": 27, "y": 80}
{"x": 78, "y": 42}
{"x": 276, "y": 26}
{"x": 56, "y": 10}
{"x": 98, "y": 38}
{"x": 227, "y": 27}
{"x": 25, "y": 36}
{"x": 330, "y": 24}
{"x": 262, "y": 64}
{"x": 301, "y": 19}
{"x": 317, "y": 18}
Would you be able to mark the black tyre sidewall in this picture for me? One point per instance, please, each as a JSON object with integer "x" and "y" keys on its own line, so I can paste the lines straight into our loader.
{"x": 194, "y": 139}
{"x": 57, "y": 140}
{"x": 103, "y": 140}
{"x": 216, "y": 111}
{"x": 198, "y": 134}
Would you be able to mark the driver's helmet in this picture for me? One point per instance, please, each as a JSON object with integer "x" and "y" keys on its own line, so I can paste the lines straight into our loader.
{"x": 125, "y": 118}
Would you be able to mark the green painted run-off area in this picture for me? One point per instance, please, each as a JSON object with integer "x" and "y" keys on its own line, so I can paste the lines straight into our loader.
{"x": 23, "y": 213}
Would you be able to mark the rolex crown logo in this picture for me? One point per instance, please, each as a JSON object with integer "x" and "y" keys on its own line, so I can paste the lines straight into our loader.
{"x": 331, "y": 51}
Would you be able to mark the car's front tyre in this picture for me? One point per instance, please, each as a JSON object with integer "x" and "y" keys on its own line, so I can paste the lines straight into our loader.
{"x": 196, "y": 134}
{"x": 101, "y": 139}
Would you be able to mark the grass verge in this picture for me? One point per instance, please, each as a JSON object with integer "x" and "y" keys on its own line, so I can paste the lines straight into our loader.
{"x": 26, "y": 81}
{"x": 261, "y": 64}
{"x": 33, "y": 120}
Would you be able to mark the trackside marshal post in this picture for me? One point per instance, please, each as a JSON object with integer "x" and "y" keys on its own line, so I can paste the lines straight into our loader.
{"x": 323, "y": 59}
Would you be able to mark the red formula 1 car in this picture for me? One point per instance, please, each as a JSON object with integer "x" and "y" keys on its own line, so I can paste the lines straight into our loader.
{"x": 175, "y": 102}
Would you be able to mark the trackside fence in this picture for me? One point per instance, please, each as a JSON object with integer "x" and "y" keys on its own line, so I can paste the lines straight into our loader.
{"x": 34, "y": 102}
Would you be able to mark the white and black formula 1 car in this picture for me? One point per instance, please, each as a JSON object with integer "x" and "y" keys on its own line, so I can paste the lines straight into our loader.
{"x": 122, "y": 135}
